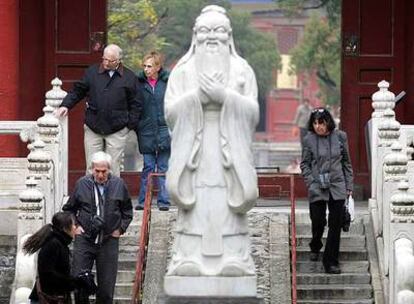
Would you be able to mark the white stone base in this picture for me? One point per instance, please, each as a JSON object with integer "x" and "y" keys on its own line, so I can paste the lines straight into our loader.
{"x": 210, "y": 286}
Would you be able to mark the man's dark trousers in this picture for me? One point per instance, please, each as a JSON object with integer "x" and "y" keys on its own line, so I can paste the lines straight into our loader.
{"x": 85, "y": 252}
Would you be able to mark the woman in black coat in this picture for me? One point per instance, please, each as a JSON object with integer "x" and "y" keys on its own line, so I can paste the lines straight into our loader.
{"x": 53, "y": 266}
{"x": 326, "y": 168}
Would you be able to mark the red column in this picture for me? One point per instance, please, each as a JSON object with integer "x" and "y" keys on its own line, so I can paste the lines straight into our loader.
{"x": 9, "y": 76}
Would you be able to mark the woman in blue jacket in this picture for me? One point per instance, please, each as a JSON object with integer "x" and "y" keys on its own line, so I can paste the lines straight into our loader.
{"x": 152, "y": 131}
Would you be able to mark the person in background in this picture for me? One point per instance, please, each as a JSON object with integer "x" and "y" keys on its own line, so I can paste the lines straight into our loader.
{"x": 152, "y": 131}
{"x": 53, "y": 267}
{"x": 327, "y": 170}
{"x": 112, "y": 107}
{"x": 103, "y": 210}
{"x": 302, "y": 115}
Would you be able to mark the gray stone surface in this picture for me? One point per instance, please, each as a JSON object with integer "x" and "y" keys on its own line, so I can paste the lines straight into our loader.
{"x": 279, "y": 252}
{"x": 157, "y": 254}
{"x": 198, "y": 300}
{"x": 376, "y": 282}
{"x": 269, "y": 237}
{"x": 7, "y": 266}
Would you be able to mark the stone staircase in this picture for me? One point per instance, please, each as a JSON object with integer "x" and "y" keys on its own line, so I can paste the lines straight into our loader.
{"x": 353, "y": 285}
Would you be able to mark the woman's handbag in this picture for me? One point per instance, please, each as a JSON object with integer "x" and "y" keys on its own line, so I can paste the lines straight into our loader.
{"x": 44, "y": 298}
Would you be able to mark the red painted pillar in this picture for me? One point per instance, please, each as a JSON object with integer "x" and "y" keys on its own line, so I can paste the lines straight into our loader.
{"x": 9, "y": 76}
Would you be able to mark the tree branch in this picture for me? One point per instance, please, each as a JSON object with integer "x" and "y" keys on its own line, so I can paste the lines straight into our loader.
{"x": 323, "y": 75}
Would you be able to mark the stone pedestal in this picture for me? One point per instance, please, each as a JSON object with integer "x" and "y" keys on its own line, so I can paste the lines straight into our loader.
{"x": 237, "y": 287}
{"x": 164, "y": 299}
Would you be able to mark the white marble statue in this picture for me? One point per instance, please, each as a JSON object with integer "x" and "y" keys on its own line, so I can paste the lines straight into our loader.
{"x": 212, "y": 111}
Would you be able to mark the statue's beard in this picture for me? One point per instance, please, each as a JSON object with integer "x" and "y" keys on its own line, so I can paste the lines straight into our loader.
{"x": 210, "y": 61}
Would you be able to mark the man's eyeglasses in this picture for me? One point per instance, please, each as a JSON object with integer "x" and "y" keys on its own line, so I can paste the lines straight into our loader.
{"x": 109, "y": 60}
{"x": 318, "y": 110}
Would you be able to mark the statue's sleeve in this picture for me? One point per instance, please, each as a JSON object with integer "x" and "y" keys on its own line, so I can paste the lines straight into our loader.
{"x": 183, "y": 115}
{"x": 239, "y": 120}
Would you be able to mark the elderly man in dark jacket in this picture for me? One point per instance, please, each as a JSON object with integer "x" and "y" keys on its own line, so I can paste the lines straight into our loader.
{"x": 153, "y": 136}
{"x": 112, "y": 107}
{"x": 103, "y": 210}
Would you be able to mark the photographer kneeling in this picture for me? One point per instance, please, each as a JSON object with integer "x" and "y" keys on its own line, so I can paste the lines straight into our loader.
{"x": 326, "y": 167}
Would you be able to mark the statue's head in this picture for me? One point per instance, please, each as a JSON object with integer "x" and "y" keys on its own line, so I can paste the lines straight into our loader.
{"x": 212, "y": 30}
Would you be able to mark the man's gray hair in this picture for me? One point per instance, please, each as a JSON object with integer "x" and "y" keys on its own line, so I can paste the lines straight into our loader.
{"x": 101, "y": 157}
{"x": 113, "y": 48}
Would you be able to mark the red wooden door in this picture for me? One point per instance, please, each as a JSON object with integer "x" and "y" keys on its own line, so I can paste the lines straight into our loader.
{"x": 75, "y": 31}
{"x": 375, "y": 45}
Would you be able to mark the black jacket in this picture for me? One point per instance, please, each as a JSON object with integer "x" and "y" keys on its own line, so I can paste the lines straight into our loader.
{"x": 112, "y": 102}
{"x": 53, "y": 266}
{"x": 117, "y": 206}
{"x": 152, "y": 129}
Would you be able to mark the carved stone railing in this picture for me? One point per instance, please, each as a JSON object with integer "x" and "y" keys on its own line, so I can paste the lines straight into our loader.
{"x": 46, "y": 182}
{"x": 391, "y": 203}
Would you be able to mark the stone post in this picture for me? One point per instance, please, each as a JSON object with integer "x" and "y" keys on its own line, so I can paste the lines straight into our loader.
{"x": 401, "y": 245}
{"x": 30, "y": 218}
{"x": 388, "y": 133}
{"x": 381, "y": 100}
{"x": 395, "y": 169}
{"x": 39, "y": 167}
{"x": 54, "y": 133}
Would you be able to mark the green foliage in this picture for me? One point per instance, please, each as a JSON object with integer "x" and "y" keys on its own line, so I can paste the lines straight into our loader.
{"x": 259, "y": 49}
{"x": 177, "y": 27}
{"x": 296, "y": 7}
{"x": 133, "y": 26}
{"x": 320, "y": 49}
{"x": 138, "y": 26}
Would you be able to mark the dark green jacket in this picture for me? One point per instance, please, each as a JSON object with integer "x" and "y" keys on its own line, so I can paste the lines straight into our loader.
{"x": 152, "y": 129}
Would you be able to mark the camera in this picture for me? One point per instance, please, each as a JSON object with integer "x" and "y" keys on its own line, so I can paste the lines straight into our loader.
{"x": 87, "y": 282}
{"x": 324, "y": 181}
{"x": 97, "y": 224}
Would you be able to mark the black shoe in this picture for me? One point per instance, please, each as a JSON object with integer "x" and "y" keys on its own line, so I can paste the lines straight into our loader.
{"x": 333, "y": 269}
{"x": 314, "y": 256}
{"x": 139, "y": 207}
{"x": 164, "y": 208}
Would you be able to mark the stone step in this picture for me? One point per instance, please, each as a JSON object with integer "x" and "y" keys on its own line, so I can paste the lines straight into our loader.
{"x": 125, "y": 276}
{"x": 133, "y": 229}
{"x": 123, "y": 290}
{"x": 126, "y": 264}
{"x": 351, "y": 301}
{"x": 129, "y": 240}
{"x": 323, "y": 278}
{"x": 346, "y": 267}
{"x": 345, "y": 254}
{"x": 356, "y": 228}
{"x": 346, "y": 240}
{"x": 359, "y": 291}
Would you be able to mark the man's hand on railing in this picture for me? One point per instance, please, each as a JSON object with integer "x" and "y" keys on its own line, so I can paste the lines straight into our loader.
{"x": 61, "y": 112}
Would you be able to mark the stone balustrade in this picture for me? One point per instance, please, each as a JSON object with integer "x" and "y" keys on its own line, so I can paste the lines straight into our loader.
{"x": 392, "y": 203}
{"x": 46, "y": 181}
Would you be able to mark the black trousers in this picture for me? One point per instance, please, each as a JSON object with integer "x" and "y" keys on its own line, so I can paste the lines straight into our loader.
{"x": 318, "y": 218}
{"x": 85, "y": 253}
